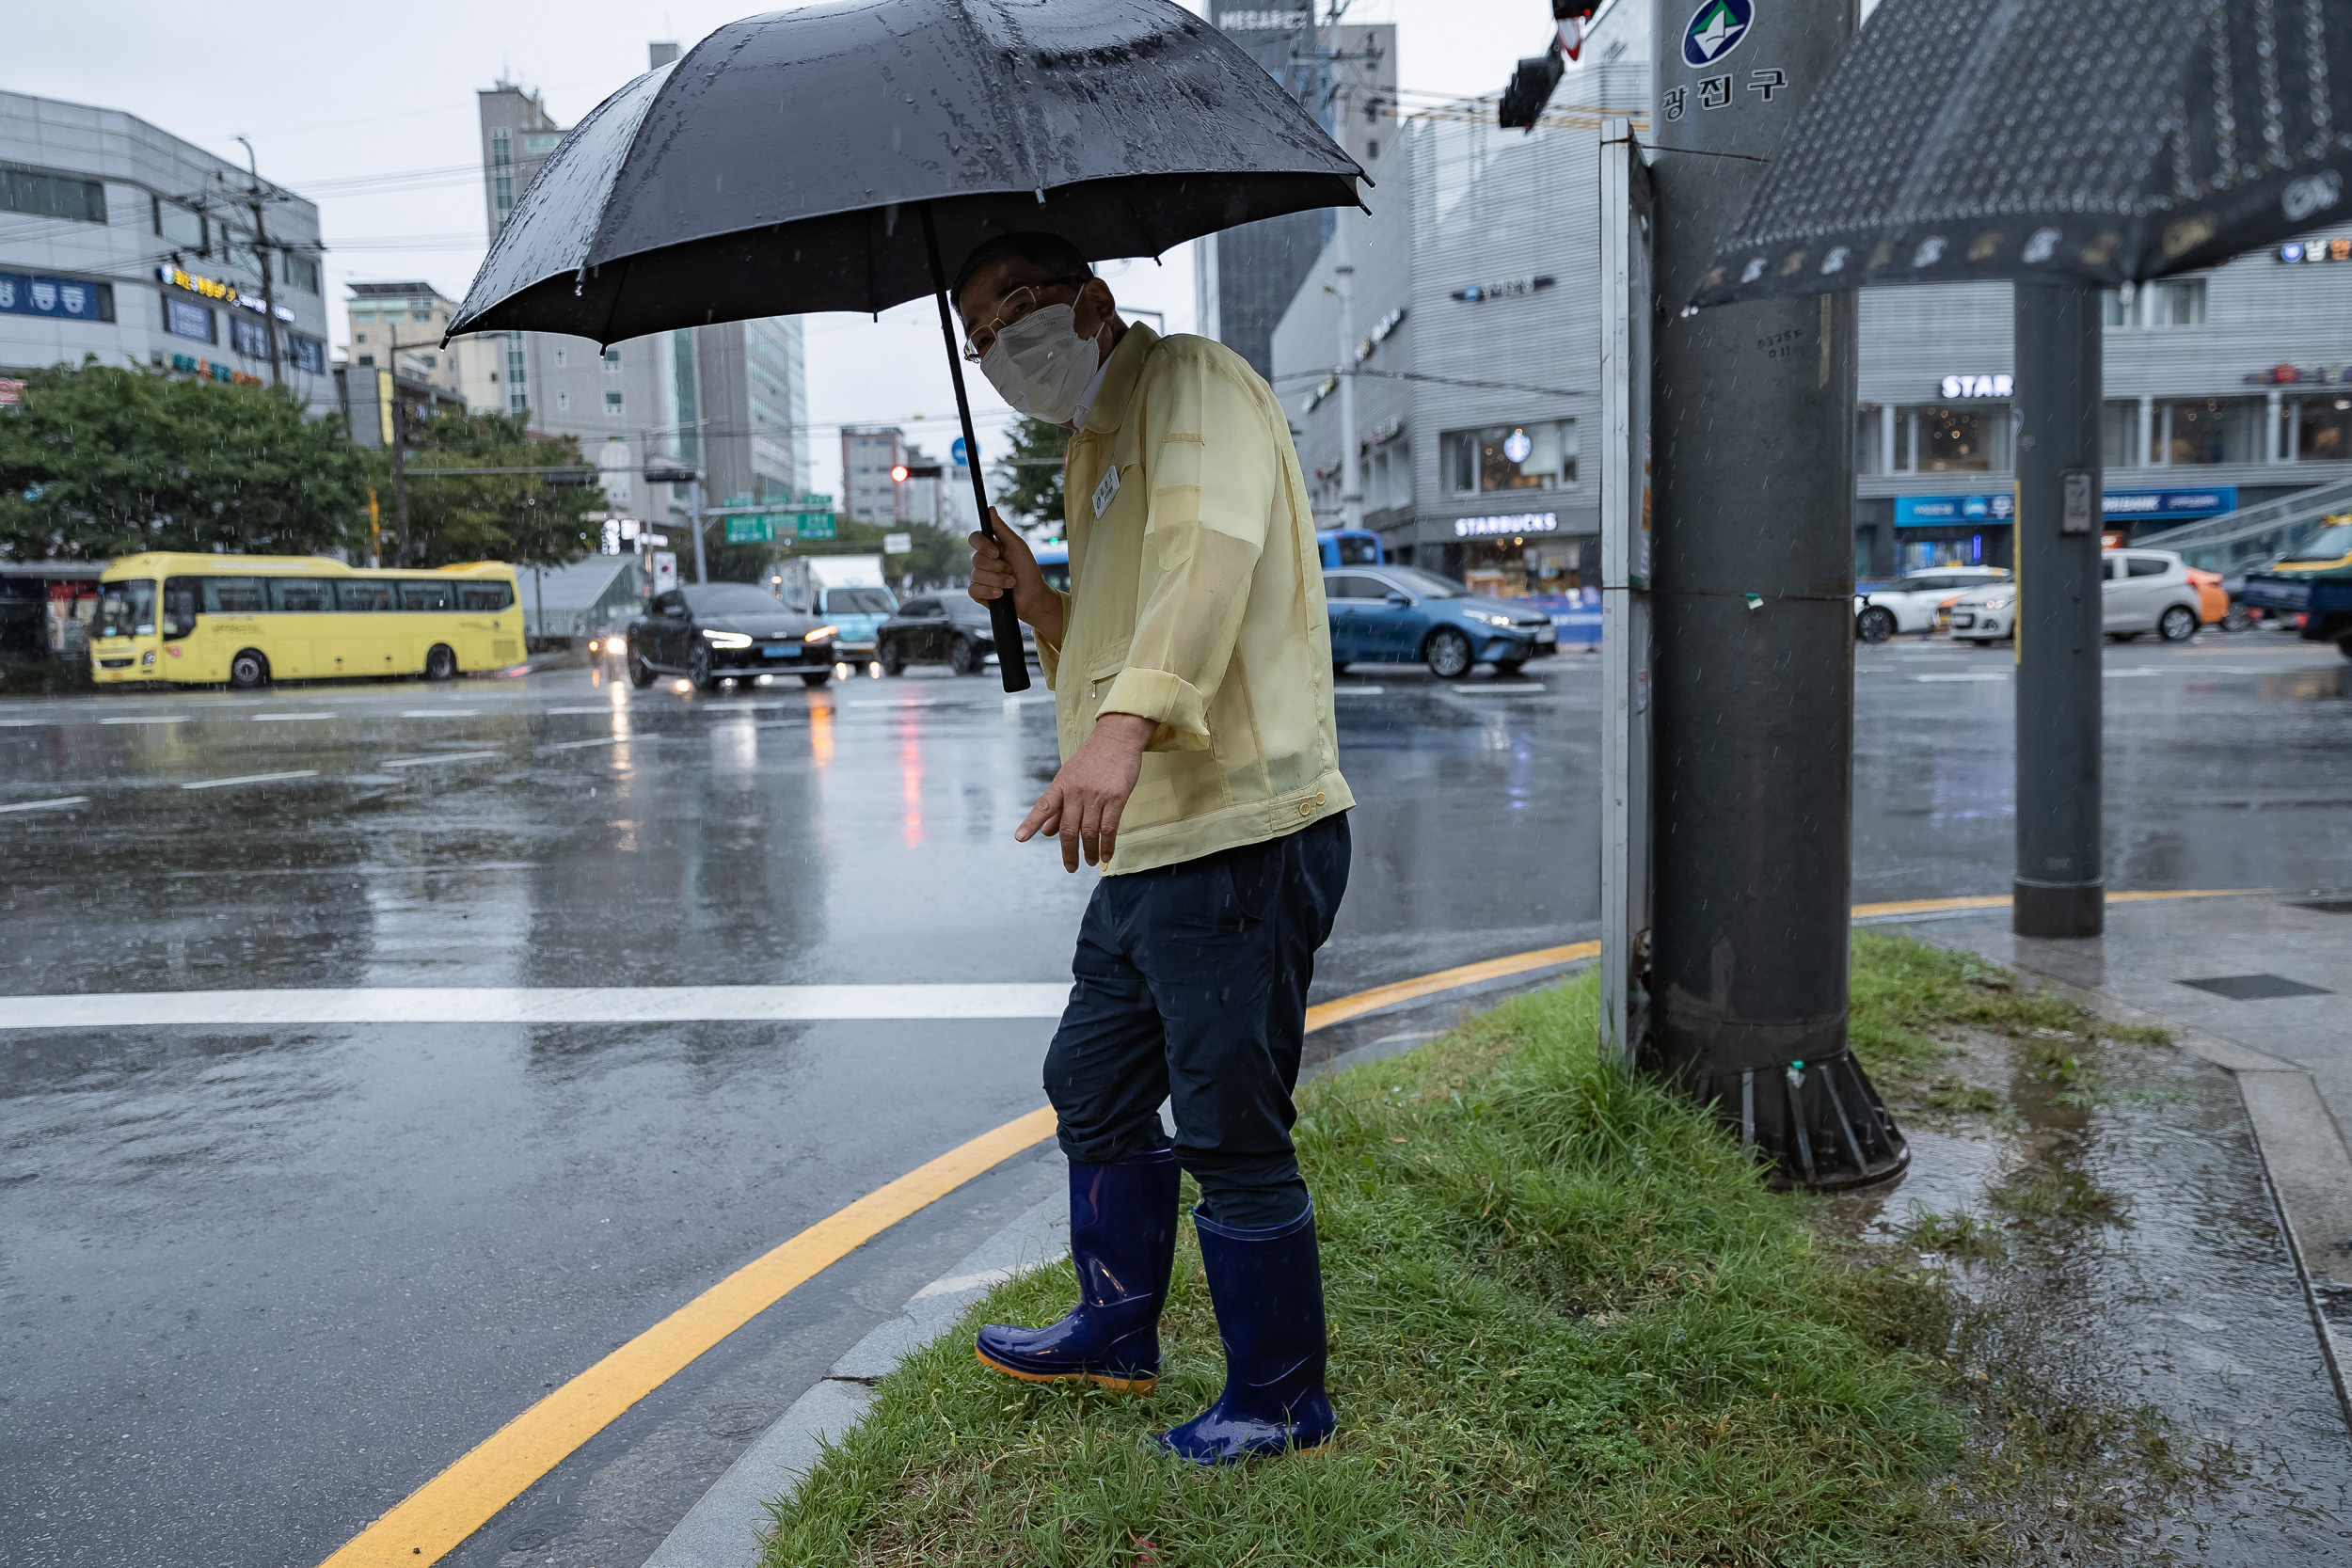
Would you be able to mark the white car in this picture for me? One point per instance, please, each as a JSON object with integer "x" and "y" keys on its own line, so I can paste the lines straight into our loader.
{"x": 2140, "y": 591}
{"x": 1909, "y": 603}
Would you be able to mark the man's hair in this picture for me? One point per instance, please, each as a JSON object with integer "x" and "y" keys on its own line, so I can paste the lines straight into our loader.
{"x": 1051, "y": 252}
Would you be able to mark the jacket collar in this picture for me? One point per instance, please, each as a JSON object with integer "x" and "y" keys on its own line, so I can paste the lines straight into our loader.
{"x": 1120, "y": 374}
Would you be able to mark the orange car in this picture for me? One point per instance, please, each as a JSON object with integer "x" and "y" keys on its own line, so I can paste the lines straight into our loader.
{"x": 2213, "y": 599}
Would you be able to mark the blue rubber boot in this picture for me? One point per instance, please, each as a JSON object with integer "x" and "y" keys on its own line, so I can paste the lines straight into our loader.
{"x": 1267, "y": 1286}
{"x": 1122, "y": 1237}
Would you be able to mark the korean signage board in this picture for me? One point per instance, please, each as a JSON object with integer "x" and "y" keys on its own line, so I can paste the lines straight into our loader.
{"x": 183, "y": 320}
{"x": 213, "y": 288}
{"x": 59, "y": 298}
{"x": 1999, "y": 509}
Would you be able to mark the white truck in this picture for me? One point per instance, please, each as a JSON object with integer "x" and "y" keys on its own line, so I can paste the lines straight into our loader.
{"x": 845, "y": 590}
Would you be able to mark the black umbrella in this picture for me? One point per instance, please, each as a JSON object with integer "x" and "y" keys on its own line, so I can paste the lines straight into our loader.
{"x": 824, "y": 159}
{"x": 2110, "y": 141}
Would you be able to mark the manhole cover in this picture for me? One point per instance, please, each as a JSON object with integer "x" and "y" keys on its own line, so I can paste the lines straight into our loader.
{"x": 2256, "y": 987}
{"x": 530, "y": 1538}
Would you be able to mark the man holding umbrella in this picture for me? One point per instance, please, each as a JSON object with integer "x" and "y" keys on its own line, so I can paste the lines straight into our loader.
{"x": 1191, "y": 668}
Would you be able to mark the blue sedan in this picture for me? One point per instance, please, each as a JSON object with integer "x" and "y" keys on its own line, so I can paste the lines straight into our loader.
{"x": 1404, "y": 615}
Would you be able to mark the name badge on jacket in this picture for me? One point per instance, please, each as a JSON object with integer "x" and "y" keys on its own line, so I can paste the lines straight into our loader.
{"x": 1104, "y": 491}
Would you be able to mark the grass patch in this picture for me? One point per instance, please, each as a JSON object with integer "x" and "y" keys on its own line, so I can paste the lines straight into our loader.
{"x": 1904, "y": 992}
{"x": 1568, "y": 1324}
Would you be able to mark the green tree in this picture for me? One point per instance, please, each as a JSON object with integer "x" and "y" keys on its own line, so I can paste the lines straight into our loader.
{"x": 1030, "y": 472}
{"x": 102, "y": 460}
{"x": 521, "y": 519}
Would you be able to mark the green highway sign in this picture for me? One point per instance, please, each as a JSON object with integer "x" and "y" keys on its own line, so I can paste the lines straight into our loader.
{"x": 814, "y": 525}
{"x": 750, "y": 531}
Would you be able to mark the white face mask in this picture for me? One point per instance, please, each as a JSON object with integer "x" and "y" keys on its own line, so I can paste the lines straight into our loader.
{"x": 1040, "y": 365}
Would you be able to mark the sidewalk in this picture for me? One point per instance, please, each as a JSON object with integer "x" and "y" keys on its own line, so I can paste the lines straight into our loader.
{"x": 2257, "y": 986}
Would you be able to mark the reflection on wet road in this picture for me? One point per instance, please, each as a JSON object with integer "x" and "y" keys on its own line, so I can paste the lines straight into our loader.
{"x": 264, "y": 1279}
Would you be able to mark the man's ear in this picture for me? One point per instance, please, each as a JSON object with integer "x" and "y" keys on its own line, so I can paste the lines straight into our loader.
{"x": 1097, "y": 295}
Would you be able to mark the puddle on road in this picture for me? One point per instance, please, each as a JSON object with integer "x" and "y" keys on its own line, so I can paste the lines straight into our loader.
{"x": 2302, "y": 685}
{"x": 2108, "y": 1227}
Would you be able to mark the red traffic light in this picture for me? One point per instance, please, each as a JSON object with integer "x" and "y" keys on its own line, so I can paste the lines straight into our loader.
{"x": 899, "y": 474}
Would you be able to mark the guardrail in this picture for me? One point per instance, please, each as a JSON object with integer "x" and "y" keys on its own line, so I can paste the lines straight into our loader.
{"x": 2252, "y": 534}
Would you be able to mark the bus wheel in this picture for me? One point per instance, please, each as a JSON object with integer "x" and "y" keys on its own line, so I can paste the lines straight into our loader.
{"x": 248, "y": 669}
{"x": 441, "y": 664}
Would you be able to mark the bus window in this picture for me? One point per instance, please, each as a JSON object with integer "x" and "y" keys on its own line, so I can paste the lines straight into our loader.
{"x": 233, "y": 596}
{"x": 125, "y": 610}
{"x": 484, "y": 596}
{"x": 416, "y": 595}
{"x": 1358, "y": 550}
{"x": 181, "y": 597}
{"x": 363, "y": 597}
{"x": 301, "y": 596}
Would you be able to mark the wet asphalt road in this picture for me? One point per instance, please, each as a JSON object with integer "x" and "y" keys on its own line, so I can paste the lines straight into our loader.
{"x": 260, "y": 1282}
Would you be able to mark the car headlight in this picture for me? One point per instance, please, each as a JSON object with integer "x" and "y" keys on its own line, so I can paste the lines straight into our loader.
{"x": 2000, "y": 601}
{"x": 1491, "y": 618}
{"x": 728, "y": 638}
{"x": 821, "y": 633}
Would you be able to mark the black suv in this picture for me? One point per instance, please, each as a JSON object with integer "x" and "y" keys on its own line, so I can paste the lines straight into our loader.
{"x": 951, "y": 629}
{"x": 713, "y": 631}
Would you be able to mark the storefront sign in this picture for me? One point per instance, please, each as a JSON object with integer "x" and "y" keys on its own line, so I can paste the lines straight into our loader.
{"x": 213, "y": 288}
{"x": 204, "y": 370}
{"x": 1980, "y": 386}
{"x": 2209, "y": 503}
{"x": 1999, "y": 510}
{"x": 2291, "y": 376}
{"x": 1516, "y": 522}
{"x": 67, "y": 298}
{"x": 2316, "y": 250}
{"x": 1518, "y": 288}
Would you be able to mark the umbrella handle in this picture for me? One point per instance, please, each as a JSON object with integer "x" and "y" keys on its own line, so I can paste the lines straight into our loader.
{"x": 1011, "y": 662}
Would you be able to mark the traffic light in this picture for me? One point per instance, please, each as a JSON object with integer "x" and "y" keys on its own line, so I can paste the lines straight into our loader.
{"x": 899, "y": 473}
{"x": 1533, "y": 83}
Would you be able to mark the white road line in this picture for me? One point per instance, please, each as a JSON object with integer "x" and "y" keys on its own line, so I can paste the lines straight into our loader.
{"x": 24, "y": 723}
{"x": 287, "y": 717}
{"x": 44, "y": 805}
{"x": 252, "y": 777}
{"x": 508, "y": 1005}
{"x": 609, "y": 708}
{"x": 1973, "y": 675}
{"x": 1499, "y": 690}
{"x": 444, "y": 756}
{"x": 2120, "y": 675}
{"x": 1357, "y": 690}
{"x": 573, "y": 745}
{"x": 444, "y": 712}
{"x": 891, "y": 701}
{"x": 148, "y": 719}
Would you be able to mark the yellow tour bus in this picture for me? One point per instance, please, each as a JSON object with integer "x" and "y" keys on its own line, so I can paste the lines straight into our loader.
{"x": 247, "y": 620}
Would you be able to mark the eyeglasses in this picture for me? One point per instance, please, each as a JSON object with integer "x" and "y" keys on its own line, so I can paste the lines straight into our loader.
{"x": 1018, "y": 306}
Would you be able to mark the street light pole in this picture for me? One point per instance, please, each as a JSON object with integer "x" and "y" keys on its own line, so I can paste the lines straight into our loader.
{"x": 1343, "y": 273}
{"x": 2060, "y": 888}
{"x": 1753, "y": 603}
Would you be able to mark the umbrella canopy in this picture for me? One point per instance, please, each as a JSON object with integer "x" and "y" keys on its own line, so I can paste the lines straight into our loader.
{"x": 2110, "y": 141}
{"x": 781, "y": 166}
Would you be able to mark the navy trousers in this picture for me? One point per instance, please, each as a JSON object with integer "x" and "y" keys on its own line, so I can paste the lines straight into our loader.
{"x": 1192, "y": 986}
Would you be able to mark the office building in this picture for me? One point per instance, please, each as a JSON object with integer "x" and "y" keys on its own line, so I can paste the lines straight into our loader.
{"x": 869, "y": 493}
{"x": 122, "y": 241}
{"x": 1476, "y": 271}
{"x": 406, "y": 320}
{"x": 728, "y": 400}
{"x": 1244, "y": 278}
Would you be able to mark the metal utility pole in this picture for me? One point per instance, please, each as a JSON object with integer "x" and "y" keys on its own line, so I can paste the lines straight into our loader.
{"x": 1344, "y": 274}
{"x": 261, "y": 254}
{"x": 388, "y": 406}
{"x": 2059, "y": 889}
{"x": 1752, "y": 585}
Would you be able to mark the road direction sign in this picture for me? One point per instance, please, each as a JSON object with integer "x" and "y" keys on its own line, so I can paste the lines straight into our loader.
{"x": 897, "y": 543}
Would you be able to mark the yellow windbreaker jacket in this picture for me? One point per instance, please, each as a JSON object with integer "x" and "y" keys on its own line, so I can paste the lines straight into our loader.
{"x": 1195, "y": 600}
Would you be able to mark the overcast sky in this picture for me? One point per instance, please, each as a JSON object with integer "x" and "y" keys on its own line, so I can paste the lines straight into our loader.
{"x": 330, "y": 93}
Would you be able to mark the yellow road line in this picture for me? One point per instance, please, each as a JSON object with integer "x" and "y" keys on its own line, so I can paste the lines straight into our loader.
{"x": 1324, "y": 1014}
{"x": 442, "y": 1512}
{"x": 433, "y": 1520}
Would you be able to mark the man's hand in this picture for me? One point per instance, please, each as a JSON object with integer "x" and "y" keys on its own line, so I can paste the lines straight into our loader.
{"x": 1084, "y": 801}
{"x": 1004, "y": 565}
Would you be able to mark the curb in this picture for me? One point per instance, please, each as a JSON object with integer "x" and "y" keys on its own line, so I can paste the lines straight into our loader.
{"x": 722, "y": 1529}
{"x": 2305, "y": 1163}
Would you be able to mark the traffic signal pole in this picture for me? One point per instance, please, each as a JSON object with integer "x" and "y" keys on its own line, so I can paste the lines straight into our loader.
{"x": 2060, "y": 888}
{"x": 1752, "y": 413}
